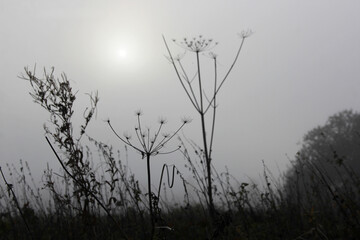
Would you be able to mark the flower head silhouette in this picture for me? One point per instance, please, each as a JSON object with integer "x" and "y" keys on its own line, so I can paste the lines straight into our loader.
{"x": 196, "y": 44}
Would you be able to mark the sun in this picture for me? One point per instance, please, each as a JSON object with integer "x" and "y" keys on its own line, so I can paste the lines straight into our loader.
{"x": 122, "y": 53}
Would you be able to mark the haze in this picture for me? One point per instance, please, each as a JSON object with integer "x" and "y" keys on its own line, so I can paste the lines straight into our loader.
{"x": 300, "y": 66}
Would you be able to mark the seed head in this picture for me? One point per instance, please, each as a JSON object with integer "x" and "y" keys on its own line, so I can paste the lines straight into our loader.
{"x": 162, "y": 120}
{"x": 197, "y": 44}
{"x": 178, "y": 57}
{"x": 213, "y": 55}
{"x": 138, "y": 112}
{"x": 127, "y": 136}
{"x": 245, "y": 34}
{"x": 186, "y": 120}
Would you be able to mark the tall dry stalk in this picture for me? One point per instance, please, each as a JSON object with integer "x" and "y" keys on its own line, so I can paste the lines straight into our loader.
{"x": 197, "y": 46}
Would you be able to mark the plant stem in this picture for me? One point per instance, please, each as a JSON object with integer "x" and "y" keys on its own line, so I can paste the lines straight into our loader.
{"x": 149, "y": 193}
{"x": 9, "y": 187}
{"x": 206, "y": 152}
{"x": 85, "y": 189}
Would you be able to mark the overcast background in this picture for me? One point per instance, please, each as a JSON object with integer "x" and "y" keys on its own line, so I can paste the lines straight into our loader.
{"x": 300, "y": 66}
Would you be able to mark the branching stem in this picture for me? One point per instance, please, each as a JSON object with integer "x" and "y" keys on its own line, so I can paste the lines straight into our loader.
{"x": 85, "y": 188}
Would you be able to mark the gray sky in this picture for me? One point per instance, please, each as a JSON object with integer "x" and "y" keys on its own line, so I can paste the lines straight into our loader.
{"x": 300, "y": 66}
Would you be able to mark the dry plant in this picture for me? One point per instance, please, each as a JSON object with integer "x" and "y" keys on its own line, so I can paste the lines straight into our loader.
{"x": 57, "y": 97}
{"x": 11, "y": 192}
{"x": 200, "y": 99}
{"x": 149, "y": 145}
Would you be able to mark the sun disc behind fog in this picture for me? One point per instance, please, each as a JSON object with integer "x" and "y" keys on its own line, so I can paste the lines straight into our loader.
{"x": 122, "y": 53}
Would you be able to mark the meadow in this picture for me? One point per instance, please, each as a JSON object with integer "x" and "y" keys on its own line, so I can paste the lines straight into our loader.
{"x": 307, "y": 210}
{"x": 317, "y": 198}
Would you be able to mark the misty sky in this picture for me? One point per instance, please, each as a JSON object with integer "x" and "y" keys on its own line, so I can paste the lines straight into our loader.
{"x": 300, "y": 66}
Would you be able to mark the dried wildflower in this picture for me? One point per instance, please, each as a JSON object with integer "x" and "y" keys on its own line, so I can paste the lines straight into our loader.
{"x": 149, "y": 145}
{"x": 127, "y": 136}
{"x": 186, "y": 120}
{"x": 211, "y": 55}
{"x": 162, "y": 120}
{"x": 245, "y": 34}
{"x": 197, "y": 44}
{"x": 177, "y": 57}
{"x": 138, "y": 112}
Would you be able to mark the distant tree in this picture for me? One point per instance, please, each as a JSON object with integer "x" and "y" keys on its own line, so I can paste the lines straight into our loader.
{"x": 328, "y": 161}
{"x": 338, "y": 141}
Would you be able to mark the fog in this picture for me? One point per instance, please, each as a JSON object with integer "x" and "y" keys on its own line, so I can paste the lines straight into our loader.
{"x": 300, "y": 66}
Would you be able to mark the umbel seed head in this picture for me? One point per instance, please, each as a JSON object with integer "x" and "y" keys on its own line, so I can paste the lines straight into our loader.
{"x": 197, "y": 44}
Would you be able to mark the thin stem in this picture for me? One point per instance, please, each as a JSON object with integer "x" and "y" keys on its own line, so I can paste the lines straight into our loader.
{"x": 126, "y": 142}
{"x": 9, "y": 187}
{"x": 159, "y": 145}
{"x": 206, "y": 153}
{"x": 162, "y": 143}
{"x": 141, "y": 134}
{"x": 171, "y": 184}
{"x": 162, "y": 153}
{"x": 84, "y": 188}
{"x": 214, "y": 111}
{"x": 148, "y": 138}
{"x": 197, "y": 176}
{"x": 227, "y": 74}
{"x": 200, "y": 86}
{"x": 178, "y": 75}
{"x": 156, "y": 136}
{"x": 189, "y": 83}
{"x": 149, "y": 193}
